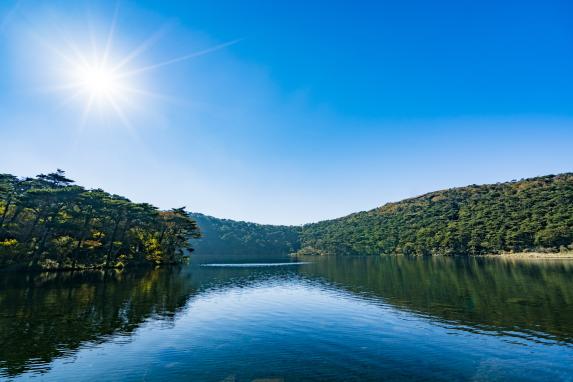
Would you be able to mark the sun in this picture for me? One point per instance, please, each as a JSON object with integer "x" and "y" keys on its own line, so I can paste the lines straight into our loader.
{"x": 102, "y": 83}
{"x": 98, "y": 81}
{"x": 92, "y": 72}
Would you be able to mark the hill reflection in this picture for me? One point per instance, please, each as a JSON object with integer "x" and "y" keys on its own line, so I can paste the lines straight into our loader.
{"x": 485, "y": 293}
{"x": 53, "y": 315}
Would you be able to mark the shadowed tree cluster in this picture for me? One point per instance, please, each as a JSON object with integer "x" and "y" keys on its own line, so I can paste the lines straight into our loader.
{"x": 229, "y": 237}
{"x": 50, "y": 222}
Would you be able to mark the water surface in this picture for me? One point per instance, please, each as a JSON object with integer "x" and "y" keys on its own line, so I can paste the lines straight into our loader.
{"x": 333, "y": 318}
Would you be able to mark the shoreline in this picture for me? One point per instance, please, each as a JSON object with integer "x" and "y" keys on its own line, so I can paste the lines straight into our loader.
{"x": 503, "y": 255}
{"x": 19, "y": 268}
{"x": 533, "y": 255}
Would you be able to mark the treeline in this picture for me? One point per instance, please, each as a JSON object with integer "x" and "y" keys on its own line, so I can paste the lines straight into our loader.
{"x": 48, "y": 222}
{"x": 229, "y": 237}
{"x": 531, "y": 214}
{"x": 528, "y": 215}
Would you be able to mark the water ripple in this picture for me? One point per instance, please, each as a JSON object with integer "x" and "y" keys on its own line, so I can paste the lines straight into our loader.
{"x": 254, "y": 265}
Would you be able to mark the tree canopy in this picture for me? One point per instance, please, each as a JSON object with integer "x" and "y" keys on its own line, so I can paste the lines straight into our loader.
{"x": 49, "y": 222}
{"x": 526, "y": 215}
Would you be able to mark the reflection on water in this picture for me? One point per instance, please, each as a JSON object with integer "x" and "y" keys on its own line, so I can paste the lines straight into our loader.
{"x": 321, "y": 318}
{"x": 49, "y": 315}
{"x": 486, "y": 293}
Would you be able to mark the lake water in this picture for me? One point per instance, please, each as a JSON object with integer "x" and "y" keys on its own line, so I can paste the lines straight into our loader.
{"x": 322, "y": 319}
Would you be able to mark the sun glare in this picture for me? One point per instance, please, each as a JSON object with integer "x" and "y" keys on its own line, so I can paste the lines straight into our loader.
{"x": 103, "y": 79}
{"x": 101, "y": 84}
{"x": 98, "y": 82}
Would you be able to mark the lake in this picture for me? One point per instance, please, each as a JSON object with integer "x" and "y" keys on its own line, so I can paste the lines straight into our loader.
{"x": 319, "y": 319}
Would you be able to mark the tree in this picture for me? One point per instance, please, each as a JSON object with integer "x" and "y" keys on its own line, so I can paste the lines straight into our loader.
{"x": 47, "y": 221}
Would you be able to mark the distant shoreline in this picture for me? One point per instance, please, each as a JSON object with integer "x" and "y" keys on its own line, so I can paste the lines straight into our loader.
{"x": 505, "y": 255}
{"x": 533, "y": 255}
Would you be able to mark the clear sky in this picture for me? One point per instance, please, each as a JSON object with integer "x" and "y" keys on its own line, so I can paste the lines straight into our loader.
{"x": 286, "y": 111}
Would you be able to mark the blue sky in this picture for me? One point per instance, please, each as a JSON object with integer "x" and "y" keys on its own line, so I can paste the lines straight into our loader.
{"x": 290, "y": 112}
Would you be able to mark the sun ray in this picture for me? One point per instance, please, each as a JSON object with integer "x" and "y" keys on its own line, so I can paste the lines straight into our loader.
{"x": 126, "y": 122}
{"x": 147, "y": 93}
{"x": 69, "y": 99}
{"x": 104, "y": 79}
{"x": 71, "y": 86}
{"x": 181, "y": 58}
{"x": 50, "y": 47}
{"x": 110, "y": 35}
{"x": 85, "y": 113}
{"x": 76, "y": 53}
{"x": 82, "y": 122}
{"x": 144, "y": 46}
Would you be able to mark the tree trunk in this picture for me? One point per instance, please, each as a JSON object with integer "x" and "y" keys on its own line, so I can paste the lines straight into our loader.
{"x": 162, "y": 235}
{"x": 33, "y": 228}
{"x": 41, "y": 246}
{"x": 122, "y": 236}
{"x": 110, "y": 249}
{"x": 8, "y": 204}
{"x": 81, "y": 239}
{"x": 17, "y": 212}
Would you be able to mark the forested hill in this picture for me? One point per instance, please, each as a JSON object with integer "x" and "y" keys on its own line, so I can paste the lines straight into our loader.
{"x": 527, "y": 215}
{"x": 531, "y": 214}
{"x": 230, "y": 237}
{"x": 49, "y": 222}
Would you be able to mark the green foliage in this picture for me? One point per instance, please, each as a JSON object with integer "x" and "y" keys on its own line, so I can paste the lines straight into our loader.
{"x": 531, "y": 214}
{"x": 48, "y": 222}
{"x": 229, "y": 237}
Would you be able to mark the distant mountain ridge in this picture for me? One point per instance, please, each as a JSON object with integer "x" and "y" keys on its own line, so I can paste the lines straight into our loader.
{"x": 526, "y": 215}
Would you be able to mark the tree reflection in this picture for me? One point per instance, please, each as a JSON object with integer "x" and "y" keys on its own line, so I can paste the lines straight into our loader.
{"x": 49, "y": 315}
{"x": 481, "y": 293}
